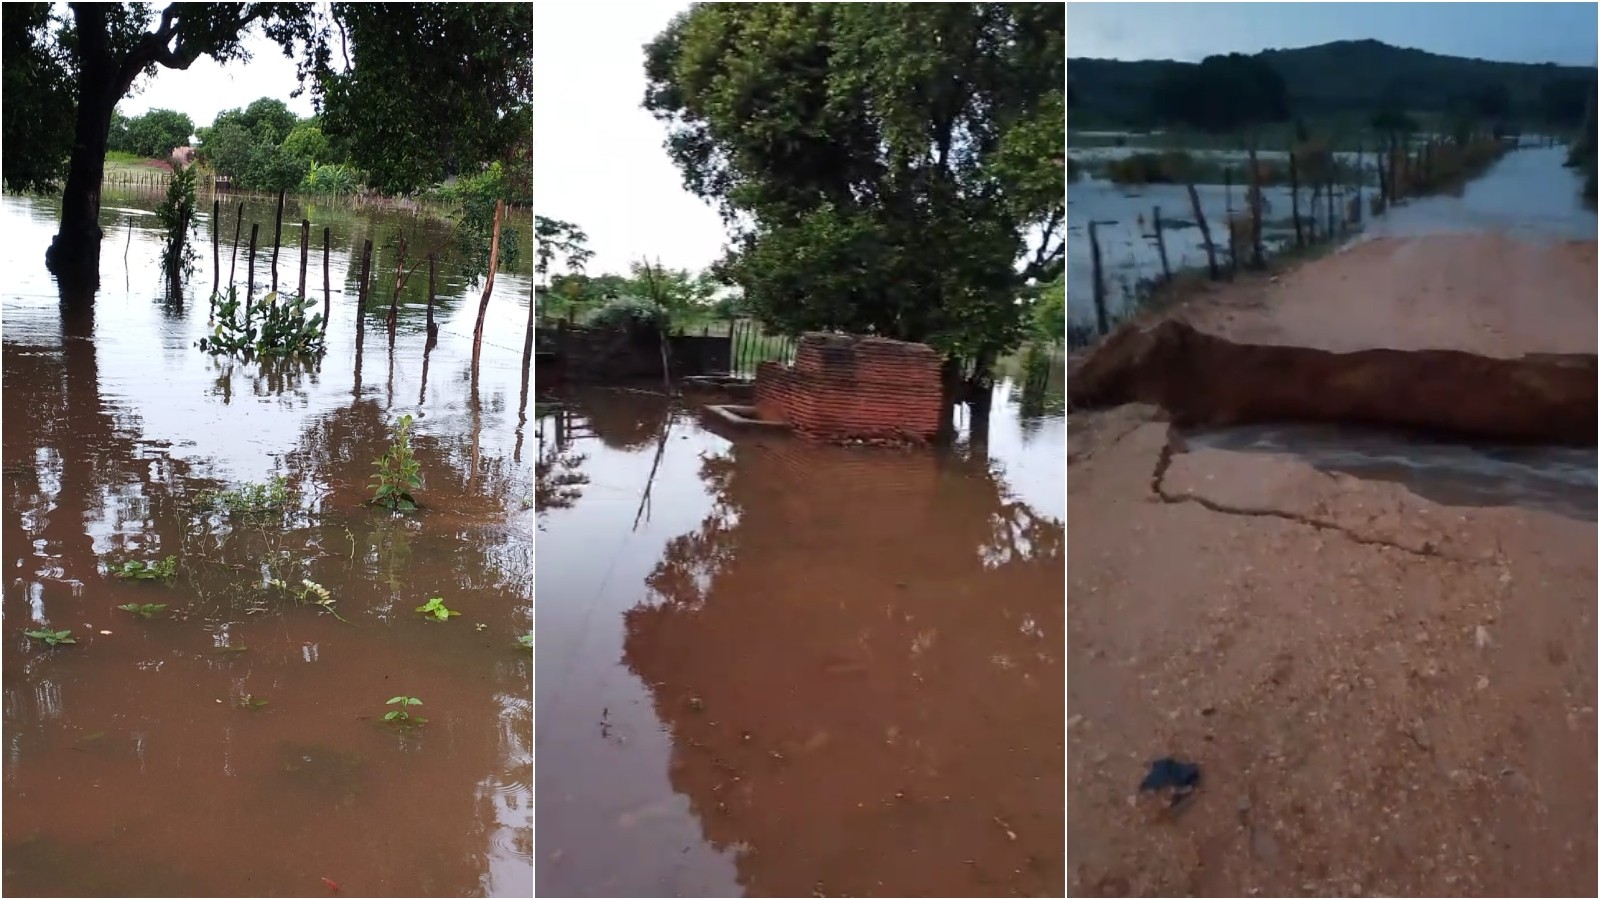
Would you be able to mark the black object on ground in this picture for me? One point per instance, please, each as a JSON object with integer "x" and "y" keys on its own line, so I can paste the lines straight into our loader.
{"x": 1165, "y": 773}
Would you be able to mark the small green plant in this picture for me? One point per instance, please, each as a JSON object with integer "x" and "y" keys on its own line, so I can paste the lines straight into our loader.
{"x": 525, "y": 641}
{"x": 144, "y": 610}
{"x": 401, "y": 716}
{"x": 250, "y": 498}
{"x": 251, "y": 701}
{"x": 398, "y": 471}
{"x": 52, "y": 637}
{"x": 275, "y": 326}
{"x": 313, "y": 593}
{"x": 435, "y": 607}
{"x": 139, "y": 570}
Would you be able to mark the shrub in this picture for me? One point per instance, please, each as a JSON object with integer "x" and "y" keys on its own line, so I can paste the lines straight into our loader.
{"x": 628, "y": 312}
{"x": 272, "y": 327}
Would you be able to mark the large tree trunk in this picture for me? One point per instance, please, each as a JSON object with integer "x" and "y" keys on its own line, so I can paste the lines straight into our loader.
{"x": 74, "y": 256}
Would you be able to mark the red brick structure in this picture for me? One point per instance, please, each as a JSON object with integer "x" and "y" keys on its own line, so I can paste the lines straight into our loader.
{"x": 844, "y": 386}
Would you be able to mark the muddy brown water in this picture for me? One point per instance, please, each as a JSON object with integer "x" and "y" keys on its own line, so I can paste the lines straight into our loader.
{"x": 135, "y": 763}
{"x": 796, "y": 670}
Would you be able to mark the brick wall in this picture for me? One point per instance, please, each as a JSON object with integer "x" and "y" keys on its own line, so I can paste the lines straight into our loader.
{"x": 842, "y": 386}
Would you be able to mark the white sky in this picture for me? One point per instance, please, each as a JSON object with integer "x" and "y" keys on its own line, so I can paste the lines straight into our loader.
{"x": 598, "y": 155}
{"x": 208, "y": 87}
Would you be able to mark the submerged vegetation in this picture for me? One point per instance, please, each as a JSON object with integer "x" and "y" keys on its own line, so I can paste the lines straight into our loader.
{"x": 250, "y": 498}
{"x": 277, "y": 327}
{"x": 138, "y": 570}
{"x": 398, "y": 473}
{"x": 50, "y": 637}
{"x": 402, "y": 716}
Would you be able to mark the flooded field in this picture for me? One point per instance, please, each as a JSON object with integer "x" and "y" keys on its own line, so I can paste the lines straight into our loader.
{"x": 768, "y": 667}
{"x": 1527, "y": 194}
{"x": 232, "y": 741}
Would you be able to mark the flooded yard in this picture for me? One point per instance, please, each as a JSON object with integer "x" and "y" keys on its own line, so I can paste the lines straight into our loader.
{"x": 228, "y": 735}
{"x": 770, "y": 667}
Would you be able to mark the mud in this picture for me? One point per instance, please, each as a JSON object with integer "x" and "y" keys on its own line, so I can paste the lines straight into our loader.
{"x": 1388, "y": 693}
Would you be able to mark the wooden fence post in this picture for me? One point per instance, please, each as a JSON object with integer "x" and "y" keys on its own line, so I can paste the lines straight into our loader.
{"x": 488, "y": 286}
{"x": 1102, "y": 321}
{"x": 1257, "y": 252}
{"x": 1205, "y": 230}
{"x": 250, "y": 288}
{"x": 233, "y": 262}
{"x": 1161, "y": 247}
{"x": 433, "y": 330}
{"x": 277, "y": 238}
{"x": 305, "y": 252}
{"x": 1294, "y": 199}
{"x": 216, "y": 258}
{"x": 326, "y": 293}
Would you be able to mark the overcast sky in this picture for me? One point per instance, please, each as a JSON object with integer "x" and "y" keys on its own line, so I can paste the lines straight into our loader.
{"x": 207, "y": 87}
{"x": 1514, "y": 32}
{"x": 598, "y": 159}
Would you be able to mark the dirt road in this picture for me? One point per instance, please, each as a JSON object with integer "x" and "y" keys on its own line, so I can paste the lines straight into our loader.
{"x": 1386, "y": 695}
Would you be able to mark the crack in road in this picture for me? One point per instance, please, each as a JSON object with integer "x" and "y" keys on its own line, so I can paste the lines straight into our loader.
{"x": 1164, "y": 460}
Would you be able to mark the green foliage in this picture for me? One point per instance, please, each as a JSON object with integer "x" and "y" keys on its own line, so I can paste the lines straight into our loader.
{"x": 138, "y": 570}
{"x": 434, "y": 88}
{"x": 884, "y": 168}
{"x": 525, "y": 641}
{"x": 276, "y": 326}
{"x": 1049, "y": 319}
{"x": 1338, "y": 79}
{"x": 435, "y": 607}
{"x": 475, "y": 197}
{"x": 334, "y": 180}
{"x": 267, "y": 118}
{"x": 52, "y": 637}
{"x": 554, "y": 238}
{"x": 629, "y": 313}
{"x": 176, "y": 215}
{"x": 1223, "y": 94}
{"x": 252, "y": 702}
{"x": 398, "y": 473}
{"x": 308, "y": 144}
{"x": 250, "y": 498}
{"x": 313, "y": 593}
{"x": 38, "y": 96}
{"x": 144, "y": 610}
{"x": 156, "y": 133}
{"x": 402, "y": 716}
{"x": 272, "y": 169}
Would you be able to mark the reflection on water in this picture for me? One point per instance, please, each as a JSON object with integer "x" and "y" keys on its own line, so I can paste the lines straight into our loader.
{"x": 1555, "y": 479}
{"x": 233, "y": 744}
{"x": 774, "y": 668}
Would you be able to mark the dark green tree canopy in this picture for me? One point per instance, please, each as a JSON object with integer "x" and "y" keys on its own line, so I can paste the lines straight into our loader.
{"x": 158, "y": 132}
{"x": 890, "y": 168}
{"x": 427, "y": 90}
{"x": 1222, "y": 94}
{"x": 38, "y": 100}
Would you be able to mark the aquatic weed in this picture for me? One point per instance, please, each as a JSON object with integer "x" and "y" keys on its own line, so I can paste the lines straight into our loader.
{"x": 398, "y": 471}
{"x": 435, "y": 607}
{"x": 144, "y": 610}
{"x": 401, "y": 716}
{"x": 139, "y": 570}
{"x": 277, "y": 326}
{"x": 52, "y": 637}
{"x": 250, "y": 498}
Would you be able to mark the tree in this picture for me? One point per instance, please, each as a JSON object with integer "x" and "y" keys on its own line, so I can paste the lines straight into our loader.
{"x": 1222, "y": 94}
{"x": 307, "y": 142}
{"x": 227, "y": 146}
{"x": 100, "y": 53}
{"x": 886, "y": 168}
{"x": 1563, "y": 102}
{"x": 157, "y": 132}
{"x": 37, "y": 99}
{"x": 268, "y": 119}
{"x": 431, "y": 89}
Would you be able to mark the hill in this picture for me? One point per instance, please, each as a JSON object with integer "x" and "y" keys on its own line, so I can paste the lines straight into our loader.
{"x": 1335, "y": 79}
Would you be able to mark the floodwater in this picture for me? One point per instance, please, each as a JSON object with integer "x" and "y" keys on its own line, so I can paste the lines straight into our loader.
{"x": 768, "y": 667}
{"x": 1527, "y": 194}
{"x": 234, "y": 743}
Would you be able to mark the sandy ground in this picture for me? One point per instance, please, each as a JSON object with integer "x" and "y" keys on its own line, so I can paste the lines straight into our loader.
{"x": 1385, "y": 695}
{"x": 1484, "y": 293}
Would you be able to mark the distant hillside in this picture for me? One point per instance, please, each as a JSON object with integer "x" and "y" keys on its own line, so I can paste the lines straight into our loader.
{"x": 1334, "y": 79}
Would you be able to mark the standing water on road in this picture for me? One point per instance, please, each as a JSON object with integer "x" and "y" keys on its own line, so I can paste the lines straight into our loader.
{"x": 227, "y": 737}
{"x": 768, "y": 667}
